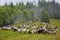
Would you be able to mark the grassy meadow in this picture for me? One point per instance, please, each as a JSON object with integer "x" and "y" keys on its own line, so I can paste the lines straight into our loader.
{"x": 11, "y": 35}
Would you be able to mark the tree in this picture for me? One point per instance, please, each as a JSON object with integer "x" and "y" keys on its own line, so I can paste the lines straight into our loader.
{"x": 29, "y": 5}
{"x": 5, "y": 4}
{"x": 4, "y": 17}
{"x": 38, "y": 2}
{"x": 11, "y": 5}
{"x": 45, "y": 17}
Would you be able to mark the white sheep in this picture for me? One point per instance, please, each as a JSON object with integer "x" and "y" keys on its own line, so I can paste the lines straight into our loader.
{"x": 24, "y": 29}
{"x": 33, "y": 31}
{"x": 19, "y": 30}
{"x": 14, "y": 28}
{"x": 4, "y": 27}
{"x": 0, "y": 28}
{"x": 8, "y": 28}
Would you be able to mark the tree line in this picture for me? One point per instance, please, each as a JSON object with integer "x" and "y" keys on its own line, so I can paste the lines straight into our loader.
{"x": 11, "y": 13}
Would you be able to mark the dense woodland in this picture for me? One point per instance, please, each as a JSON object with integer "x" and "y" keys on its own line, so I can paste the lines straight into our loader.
{"x": 44, "y": 11}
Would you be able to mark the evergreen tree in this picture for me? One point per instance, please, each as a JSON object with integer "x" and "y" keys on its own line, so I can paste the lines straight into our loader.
{"x": 45, "y": 17}
{"x": 11, "y": 5}
{"x": 5, "y": 4}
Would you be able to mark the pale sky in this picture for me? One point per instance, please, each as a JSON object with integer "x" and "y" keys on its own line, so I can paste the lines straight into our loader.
{"x": 15, "y": 1}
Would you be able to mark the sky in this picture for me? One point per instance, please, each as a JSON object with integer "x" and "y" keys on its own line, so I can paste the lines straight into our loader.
{"x": 15, "y": 1}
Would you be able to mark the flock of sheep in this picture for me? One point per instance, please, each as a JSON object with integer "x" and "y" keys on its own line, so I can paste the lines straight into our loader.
{"x": 32, "y": 29}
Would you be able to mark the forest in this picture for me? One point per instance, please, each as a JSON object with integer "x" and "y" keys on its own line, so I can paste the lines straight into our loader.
{"x": 44, "y": 11}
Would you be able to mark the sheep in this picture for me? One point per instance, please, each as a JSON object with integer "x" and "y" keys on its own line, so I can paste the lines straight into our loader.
{"x": 14, "y": 28}
{"x": 24, "y": 29}
{"x": 28, "y": 31}
{"x": 33, "y": 31}
{"x": 8, "y": 28}
{"x": 19, "y": 28}
{"x": 4, "y": 27}
{"x": 27, "y": 26}
{"x": 0, "y": 28}
{"x": 33, "y": 26}
{"x": 23, "y": 26}
{"x": 42, "y": 30}
{"x": 52, "y": 30}
{"x": 46, "y": 25}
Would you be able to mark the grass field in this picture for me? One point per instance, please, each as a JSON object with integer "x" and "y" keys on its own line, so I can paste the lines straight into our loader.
{"x": 11, "y": 35}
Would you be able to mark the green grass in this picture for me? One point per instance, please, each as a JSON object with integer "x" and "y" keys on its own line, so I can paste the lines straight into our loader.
{"x": 11, "y": 35}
